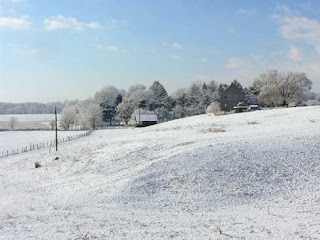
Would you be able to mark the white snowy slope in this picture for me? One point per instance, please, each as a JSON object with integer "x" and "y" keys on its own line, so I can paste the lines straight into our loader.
{"x": 243, "y": 176}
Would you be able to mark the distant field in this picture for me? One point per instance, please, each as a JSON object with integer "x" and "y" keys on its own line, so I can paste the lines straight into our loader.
{"x": 27, "y": 121}
{"x": 16, "y": 139}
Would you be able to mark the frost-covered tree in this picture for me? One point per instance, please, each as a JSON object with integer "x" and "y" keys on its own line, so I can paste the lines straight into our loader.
{"x": 160, "y": 102}
{"x": 107, "y": 95}
{"x": 68, "y": 117}
{"x": 195, "y": 99}
{"x": 313, "y": 102}
{"x": 158, "y": 90}
{"x": 179, "y": 111}
{"x": 136, "y": 93}
{"x": 157, "y": 96}
{"x": 29, "y": 108}
{"x": 195, "y": 91}
{"x": 108, "y": 98}
{"x": 282, "y": 88}
{"x": 90, "y": 114}
{"x": 212, "y": 87}
{"x": 125, "y": 110}
{"x": 214, "y": 108}
{"x": 12, "y": 122}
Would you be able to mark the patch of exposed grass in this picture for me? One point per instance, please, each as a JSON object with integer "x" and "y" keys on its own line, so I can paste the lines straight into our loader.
{"x": 253, "y": 122}
{"x": 213, "y": 130}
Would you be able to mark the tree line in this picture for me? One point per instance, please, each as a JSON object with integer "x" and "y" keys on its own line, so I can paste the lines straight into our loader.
{"x": 112, "y": 105}
{"x": 30, "y": 107}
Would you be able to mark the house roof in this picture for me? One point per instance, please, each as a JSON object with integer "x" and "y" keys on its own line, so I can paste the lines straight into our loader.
{"x": 231, "y": 85}
{"x": 147, "y": 118}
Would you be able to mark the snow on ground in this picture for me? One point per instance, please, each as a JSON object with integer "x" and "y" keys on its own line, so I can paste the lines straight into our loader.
{"x": 242, "y": 176}
{"x": 17, "y": 139}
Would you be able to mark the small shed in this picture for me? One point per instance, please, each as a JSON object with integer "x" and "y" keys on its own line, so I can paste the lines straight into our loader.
{"x": 146, "y": 120}
{"x": 242, "y": 106}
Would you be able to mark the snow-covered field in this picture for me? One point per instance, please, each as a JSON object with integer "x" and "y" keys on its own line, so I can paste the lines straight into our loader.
{"x": 27, "y": 121}
{"x": 17, "y": 139}
{"x": 243, "y": 176}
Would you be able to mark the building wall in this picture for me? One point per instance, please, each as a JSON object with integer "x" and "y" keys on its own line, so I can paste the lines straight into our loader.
{"x": 231, "y": 97}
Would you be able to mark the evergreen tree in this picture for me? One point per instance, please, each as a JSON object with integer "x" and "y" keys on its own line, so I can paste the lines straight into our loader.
{"x": 158, "y": 90}
{"x": 237, "y": 84}
{"x": 118, "y": 99}
{"x": 204, "y": 87}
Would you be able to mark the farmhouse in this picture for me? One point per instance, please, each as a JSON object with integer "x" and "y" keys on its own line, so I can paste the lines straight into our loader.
{"x": 146, "y": 120}
{"x": 230, "y": 97}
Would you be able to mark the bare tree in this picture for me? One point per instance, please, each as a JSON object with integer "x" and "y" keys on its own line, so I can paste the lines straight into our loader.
{"x": 53, "y": 124}
{"x": 12, "y": 122}
{"x": 282, "y": 88}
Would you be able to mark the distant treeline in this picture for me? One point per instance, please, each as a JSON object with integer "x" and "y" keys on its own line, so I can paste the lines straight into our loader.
{"x": 30, "y": 108}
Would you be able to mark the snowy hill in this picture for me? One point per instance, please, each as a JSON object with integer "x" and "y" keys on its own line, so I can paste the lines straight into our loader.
{"x": 250, "y": 175}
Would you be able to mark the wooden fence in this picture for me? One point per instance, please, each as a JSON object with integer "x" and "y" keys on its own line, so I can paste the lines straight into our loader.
{"x": 51, "y": 144}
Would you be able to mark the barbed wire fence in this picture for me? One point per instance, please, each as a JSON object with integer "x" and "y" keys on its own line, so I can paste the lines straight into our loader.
{"x": 47, "y": 144}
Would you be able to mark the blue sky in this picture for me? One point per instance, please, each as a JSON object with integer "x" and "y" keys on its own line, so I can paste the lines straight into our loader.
{"x": 58, "y": 50}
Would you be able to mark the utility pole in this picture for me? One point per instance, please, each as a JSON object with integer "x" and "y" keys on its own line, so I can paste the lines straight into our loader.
{"x": 55, "y": 113}
{"x": 139, "y": 116}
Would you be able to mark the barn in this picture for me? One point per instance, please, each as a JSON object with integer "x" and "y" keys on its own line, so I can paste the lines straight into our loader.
{"x": 230, "y": 97}
{"x": 146, "y": 120}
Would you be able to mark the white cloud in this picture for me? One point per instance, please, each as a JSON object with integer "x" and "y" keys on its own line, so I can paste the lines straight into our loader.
{"x": 248, "y": 12}
{"x": 176, "y": 57}
{"x": 14, "y": 23}
{"x": 234, "y": 63}
{"x": 204, "y": 60}
{"x": 61, "y": 22}
{"x": 298, "y": 28}
{"x": 177, "y": 45}
{"x": 295, "y": 53}
{"x": 298, "y": 31}
{"x": 110, "y": 48}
